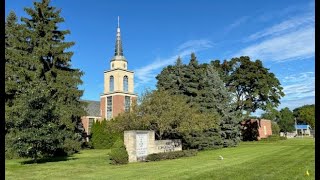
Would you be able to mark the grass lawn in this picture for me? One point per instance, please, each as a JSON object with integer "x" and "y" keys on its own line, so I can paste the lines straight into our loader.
{"x": 287, "y": 159}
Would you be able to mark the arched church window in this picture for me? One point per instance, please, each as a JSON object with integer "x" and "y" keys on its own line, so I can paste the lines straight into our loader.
{"x": 125, "y": 83}
{"x": 111, "y": 84}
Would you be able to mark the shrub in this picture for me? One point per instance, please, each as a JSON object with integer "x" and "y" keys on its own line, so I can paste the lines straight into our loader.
{"x": 272, "y": 138}
{"x": 282, "y": 138}
{"x": 171, "y": 155}
{"x": 275, "y": 128}
{"x": 102, "y": 135}
{"x": 118, "y": 154}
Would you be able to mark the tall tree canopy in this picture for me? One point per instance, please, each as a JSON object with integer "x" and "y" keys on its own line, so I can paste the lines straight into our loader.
{"x": 271, "y": 114}
{"x": 286, "y": 121}
{"x": 42, "y": 84}
{"x": 203, "y": 89}
{"x": 253, "y": 86}
{"x": 170, "y": 117}
{"x": 305, "y": 114}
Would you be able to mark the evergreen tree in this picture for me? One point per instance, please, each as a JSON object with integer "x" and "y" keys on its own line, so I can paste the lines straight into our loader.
{"x": 214, "y": 97}
{"x": 18, "y": 75}
{"x": 203, "y": 88}
{"x": 102, "y": 136}
{"x": 45, "y": 98}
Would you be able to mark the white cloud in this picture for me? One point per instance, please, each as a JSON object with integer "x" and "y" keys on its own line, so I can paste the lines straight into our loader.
{"x": 299, "y": 90}
{"x": 301, "y": 77}
{"x": 148, "y": 73}
{"x": 237, "y": 23}
{"x": 284, "y": 27}
{"x": 295, "y": 45}
{"x": 294, "y": 103}
{"x": 299, "y": 86}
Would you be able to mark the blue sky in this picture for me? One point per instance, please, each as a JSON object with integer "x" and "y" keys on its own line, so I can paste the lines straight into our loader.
{"x": 279, "y": 33}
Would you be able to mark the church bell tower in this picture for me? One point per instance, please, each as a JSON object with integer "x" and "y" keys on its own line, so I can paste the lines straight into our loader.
{"x": 118, "y": 93}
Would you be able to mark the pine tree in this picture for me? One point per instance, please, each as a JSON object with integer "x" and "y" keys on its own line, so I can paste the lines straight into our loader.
{"x": 202, "y": 86}
{"x": 51, "y": 98}
{"x": 18, "y": 74}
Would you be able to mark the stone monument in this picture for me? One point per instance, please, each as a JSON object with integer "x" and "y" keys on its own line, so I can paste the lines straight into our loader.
{"x": 139, "y": 144}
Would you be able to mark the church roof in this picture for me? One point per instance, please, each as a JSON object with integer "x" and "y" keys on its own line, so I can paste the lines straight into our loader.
{"x": 302, "y": 126}
{"x": 93, "y": 108}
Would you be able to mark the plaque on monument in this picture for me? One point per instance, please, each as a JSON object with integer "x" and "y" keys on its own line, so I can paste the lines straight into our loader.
{"x": 141, "y": 145}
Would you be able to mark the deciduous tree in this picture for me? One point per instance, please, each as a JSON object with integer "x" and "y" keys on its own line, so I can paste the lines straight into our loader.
{"x": 254, "y": 87}
{"x": 305, "y": 114}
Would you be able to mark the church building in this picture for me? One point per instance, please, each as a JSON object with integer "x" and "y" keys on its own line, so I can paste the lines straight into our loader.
{"x": 118, "y": 93}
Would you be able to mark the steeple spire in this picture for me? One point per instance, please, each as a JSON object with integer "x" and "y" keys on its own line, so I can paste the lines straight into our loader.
{"x": 118, "y": 22}
{"x": 118, "y": 48}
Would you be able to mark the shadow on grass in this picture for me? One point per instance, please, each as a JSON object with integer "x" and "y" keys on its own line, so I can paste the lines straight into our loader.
{"x": 51, "y": 159}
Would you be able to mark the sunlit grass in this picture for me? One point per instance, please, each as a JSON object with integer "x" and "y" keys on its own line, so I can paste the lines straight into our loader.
{"x": 287, "y": 159}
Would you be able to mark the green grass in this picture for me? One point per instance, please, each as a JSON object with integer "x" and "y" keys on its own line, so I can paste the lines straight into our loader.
{"x": 287, "y": 159}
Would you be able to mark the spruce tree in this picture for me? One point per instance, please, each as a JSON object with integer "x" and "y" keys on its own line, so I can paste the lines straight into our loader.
{"x": 50, "y": 99}
{"x": 17, "y": 77}
{"x": 203, "y": 88}
{"x": 215, "y": 98}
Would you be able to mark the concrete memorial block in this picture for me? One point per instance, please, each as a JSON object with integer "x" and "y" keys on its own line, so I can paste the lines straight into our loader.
{"x": 139, "y": 144}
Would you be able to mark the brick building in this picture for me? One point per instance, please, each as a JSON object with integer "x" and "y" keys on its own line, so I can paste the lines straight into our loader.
{"x": 255, "y": 129}
{"x": 118, "y": 93}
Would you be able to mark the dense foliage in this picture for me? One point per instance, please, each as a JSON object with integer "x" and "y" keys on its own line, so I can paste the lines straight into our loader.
{"x": 118, "y": 154}
{"x": 43, "y": 107}
{"x": 202, "y": 87}
{"x": 286, "y": 121}
{"x": 305, "y": 115}
{"x": 102, "y": 137}
{"x": 275, "y": 128}
{"x": 170, "y": 117}
{"x": 171, "y": 155}
{"x": 253, "y": 86}
{"x": 271, "y": 114}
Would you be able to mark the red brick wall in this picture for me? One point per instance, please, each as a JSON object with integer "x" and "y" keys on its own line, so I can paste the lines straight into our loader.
{"x": 103, "y": 107}
{"x": 267, "y": 124}
{"x": 85, "y": 123}
{"x": 118, "y": 105}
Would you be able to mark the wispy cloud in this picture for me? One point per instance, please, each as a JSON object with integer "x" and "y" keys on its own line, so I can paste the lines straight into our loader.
{"x": 301, "y": 77}
{"x": 237, "y": 23}
{"x": 284, "y": 27}
{"x": 299, "y": 85}
{"x": 290, "y": 39}
{"x": 292, "y": 104}
{"x": 147, "y": 73}
{"x": 299, "y": 90}
{"x": 295, "y": 45}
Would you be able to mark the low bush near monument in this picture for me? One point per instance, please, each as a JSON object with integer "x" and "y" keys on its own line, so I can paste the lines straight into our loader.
{"x": 171, "y": 155}
{"x": 273, "y": 138}
{"x": 118, "y": 154}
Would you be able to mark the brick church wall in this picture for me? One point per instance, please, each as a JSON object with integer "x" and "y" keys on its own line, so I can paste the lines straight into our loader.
{"x": 103, "y": 107}
{"x": 118, "y": 105}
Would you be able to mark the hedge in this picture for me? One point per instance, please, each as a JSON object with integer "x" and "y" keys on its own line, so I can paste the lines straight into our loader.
{"x": 274, "y": 138}
{"x": 171, "y": 155}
